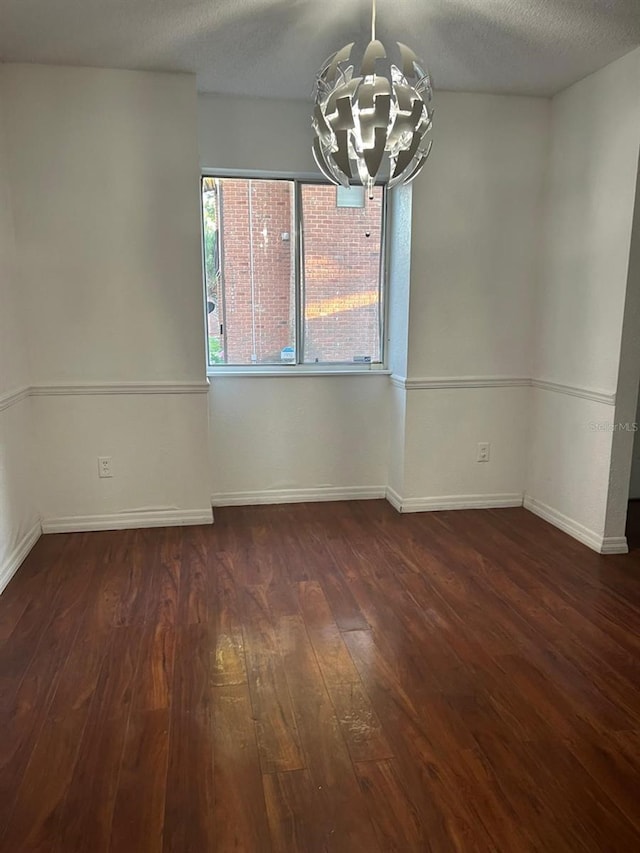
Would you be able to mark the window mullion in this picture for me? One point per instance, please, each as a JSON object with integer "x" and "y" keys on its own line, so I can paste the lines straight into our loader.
{"x": 222, "y": 304}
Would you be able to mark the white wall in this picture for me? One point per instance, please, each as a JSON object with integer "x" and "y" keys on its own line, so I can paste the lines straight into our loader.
{"x": 444, "y": 427}
{"x": 471, "y": 272}
{"x": 104, "y": 177}
{"x": 293, "y": 435}
{"x": 634, "y": 485}
{"x": 158, "y": 444}
{"x": 581, "y": 297}
{"x": 255, "y": 133}
{"x": 399, "y": 292}
{"x": 588, "y": 215}
{"x": 104, "y": 172}
{"x": 476, "y": 237}
{"x": 18, "y": 515}
{"x": 296, "y": 437}
{"x": 622, "y": 445}
{"x": 474, "y": 262}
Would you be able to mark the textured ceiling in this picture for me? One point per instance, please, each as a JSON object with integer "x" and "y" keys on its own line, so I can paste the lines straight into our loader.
{"x": 272, "y": 48}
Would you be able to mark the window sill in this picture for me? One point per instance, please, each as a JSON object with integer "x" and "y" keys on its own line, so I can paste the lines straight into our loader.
{"x": 277, "y": 372}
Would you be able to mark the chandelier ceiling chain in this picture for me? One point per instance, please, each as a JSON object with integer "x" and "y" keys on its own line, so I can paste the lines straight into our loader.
{"x": 372, "y": 124}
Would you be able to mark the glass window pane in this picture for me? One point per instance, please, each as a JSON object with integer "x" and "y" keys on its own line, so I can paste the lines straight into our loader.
{"x": 212, "y": 267}
{"x": 250, "y": 270}
{"x": 341, "y": 268}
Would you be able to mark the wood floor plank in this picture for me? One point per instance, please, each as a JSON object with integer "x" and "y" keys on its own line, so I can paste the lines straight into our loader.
{"x": 227, "y": 665}
{"x": 117, "y": 684}
{"x": 434, "y": 772}
{"x": 154, "y": 676}
{"x": 324, "y": 747}
{"x": 36, "y": 818}
{"x": 14, "y": 604}
{"x": 240, "y": 815}
{"x": 189, "y": 811}
{"x": 359, "y": 722}
{"x": 610, "y": 758}
{"x": 292, "y": 808}
{"x": 37, "y": 564}
{"x": 190, "y": 804}
{"x": 26, "y": 700}
{"x": 46, "y": 629}
{"x": 346, "y": 609}
{"x": 133, "y": 580}
{"x": 166, "y": 569}
{"x": 579, "y": 810}
{"x": 87, "y": 813}
{"x": 578, "y": 636}
{"x": 138, "y": 822}
{"x": 190, "y": 691}
{"x": 276, "y": 728}
{"x": 394, "y": 816}
{"x": 321, "y": 677}
{"x": 79, "y": 674}
{"x": 333, "y": 656}
{"x": 193, "y": 606}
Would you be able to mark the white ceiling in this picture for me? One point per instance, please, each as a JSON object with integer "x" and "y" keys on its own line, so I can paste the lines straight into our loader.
{"x": 272, "y": 48}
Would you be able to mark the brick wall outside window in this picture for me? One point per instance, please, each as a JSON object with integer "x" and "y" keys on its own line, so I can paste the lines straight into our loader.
{"x": 341, "y": 272}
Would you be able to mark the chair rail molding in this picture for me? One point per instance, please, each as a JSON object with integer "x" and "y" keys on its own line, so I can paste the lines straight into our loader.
{"x": 11, "y": 398}
{"x": 99, "y": 388}
{"x": 606, "y": 397}
{"x": 432, "y": 383}
{"x": 438, "y": 382}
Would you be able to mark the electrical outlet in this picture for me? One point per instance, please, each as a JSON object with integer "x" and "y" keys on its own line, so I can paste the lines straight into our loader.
{"x": 104, "y": 466}
{"x": 484, "y": 451}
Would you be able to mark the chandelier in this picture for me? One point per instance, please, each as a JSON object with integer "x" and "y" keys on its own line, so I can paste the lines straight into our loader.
{"x": 371, "y": 126}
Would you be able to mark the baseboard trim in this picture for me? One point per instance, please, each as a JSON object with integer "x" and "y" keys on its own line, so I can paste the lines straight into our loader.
{"x": 588, "y": 537}
{"x": 290, "y": 496}
{"x": 394, "y": 499}
{"x": 17, "y": 557}
{"x": 614, "y": 545}
{"x": 446, "y": 502}
{"x": 127, "y": 520}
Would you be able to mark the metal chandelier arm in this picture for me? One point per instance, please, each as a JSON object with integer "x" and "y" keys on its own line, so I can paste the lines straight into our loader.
{"x": 372, "y": 119}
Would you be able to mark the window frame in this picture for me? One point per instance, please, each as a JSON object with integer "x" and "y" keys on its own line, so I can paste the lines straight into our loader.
{"x": 299, "y": 368}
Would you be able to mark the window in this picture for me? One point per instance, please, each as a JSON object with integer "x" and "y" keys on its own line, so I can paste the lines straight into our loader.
{"x": 293, "y": 273}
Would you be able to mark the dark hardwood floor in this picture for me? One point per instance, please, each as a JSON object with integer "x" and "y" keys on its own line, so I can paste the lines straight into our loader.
{"x": 321, "y": 677}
